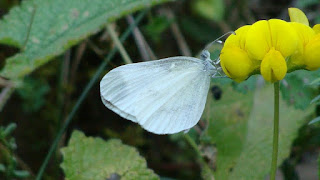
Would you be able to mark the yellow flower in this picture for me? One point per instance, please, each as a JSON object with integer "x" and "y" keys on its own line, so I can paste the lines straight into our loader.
{"x": 312, "y": 53}
{"x": 239, "y": 38}
{"x": 305, "y": 34}
{"x": 265, "y": 35}
{"x": 272, "y": 42}
{"x": 316, "y": 28}
{"x": 264, "y": 45}
{"x": 235, "y": 61}
{"x": 307, "y": 56}
{"x": 272, "y": 47}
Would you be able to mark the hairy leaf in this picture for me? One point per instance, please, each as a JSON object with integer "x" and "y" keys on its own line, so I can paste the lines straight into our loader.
{"x": 93, "y": 158}
{"x": 56, "y": 25}
{"x": 241, "y": 126}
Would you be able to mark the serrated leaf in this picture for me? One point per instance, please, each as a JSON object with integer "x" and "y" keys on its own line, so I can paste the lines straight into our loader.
{"x": 57, "y": 25}
{"x": 93, "y": 158}
{"x": 241, "y": 126}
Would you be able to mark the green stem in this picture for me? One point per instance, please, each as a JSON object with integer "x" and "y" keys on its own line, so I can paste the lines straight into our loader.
{"x": 196, "y": 149}
{"x": 275, "y": 131}
{"x": 5, "y": 95}
{"x": 83, "y": 96}
{"x": 117, "y": 42}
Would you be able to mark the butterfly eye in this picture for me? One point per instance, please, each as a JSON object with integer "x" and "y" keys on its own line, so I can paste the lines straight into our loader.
{"x": 205, "y": 55}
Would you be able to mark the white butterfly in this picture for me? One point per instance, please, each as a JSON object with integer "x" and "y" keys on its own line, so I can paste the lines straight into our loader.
{"x": 164, "y": 96}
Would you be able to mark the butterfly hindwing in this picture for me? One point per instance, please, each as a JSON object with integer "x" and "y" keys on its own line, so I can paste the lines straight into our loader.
{"x": 164, "y": 96}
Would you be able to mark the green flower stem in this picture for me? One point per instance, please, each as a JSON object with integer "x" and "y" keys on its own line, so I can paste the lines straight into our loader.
{"x": 84, "y": 95}
{"x": 275, "y": 131}
{"x": 196, "y": 149}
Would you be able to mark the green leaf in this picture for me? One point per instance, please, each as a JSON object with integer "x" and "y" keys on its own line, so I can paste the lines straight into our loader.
{"x": 315, "y": 82}
{"x": 245, "y": 86}
{"x": 305, "y": 3}
{"x": 21, "y": 174}
{"x": 200, "y": 31}
{"x": 317, "y": 98}
{"x": 2, "y": 168}
{"x": 93, "y": 158}
{"x": 241, "y": 127}
{"x": 57, "y": 25}
{"x": 9, "y": 129}
{"x": 295, "y": 89}
{"x": 33, "y": 92}
{"x": 317, "y": 119}
{"x": 156, "y": 27}
{"x": 210, "y": 9}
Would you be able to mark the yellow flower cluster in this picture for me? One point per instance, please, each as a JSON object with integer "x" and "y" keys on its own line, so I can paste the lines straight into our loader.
{"x": 272, "y": 48}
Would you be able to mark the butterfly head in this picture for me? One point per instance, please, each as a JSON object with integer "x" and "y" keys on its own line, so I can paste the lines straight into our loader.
{"x": 205, "y": 55}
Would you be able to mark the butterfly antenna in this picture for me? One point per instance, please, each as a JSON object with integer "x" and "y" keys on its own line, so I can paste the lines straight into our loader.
{"x": 218, "y": 39}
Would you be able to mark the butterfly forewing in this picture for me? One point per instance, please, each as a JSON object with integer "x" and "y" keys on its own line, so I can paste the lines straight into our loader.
{"x": 164, "y": 96}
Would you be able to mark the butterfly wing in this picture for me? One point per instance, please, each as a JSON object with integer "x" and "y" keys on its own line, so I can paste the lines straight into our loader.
{"x": 164, "y": 96}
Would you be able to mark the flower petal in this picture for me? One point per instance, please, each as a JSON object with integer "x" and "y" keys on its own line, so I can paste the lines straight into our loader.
{"x": 316, "y": 28}
{"x": 305, "y": 34}
{"x": 284, "y": 37}
{"x": 235, "y": 63}
{"x": 258, "y": 40}
{"x": 273, "y": 66}
{"x": 239, "y": 38}
{"x": 263, "y": 35}
{"x": 312, "y": 53}
{"x": 296, "y": 15}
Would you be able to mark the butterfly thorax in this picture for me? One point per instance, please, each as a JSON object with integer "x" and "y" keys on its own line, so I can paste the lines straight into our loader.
{"x": 209, "y": 65}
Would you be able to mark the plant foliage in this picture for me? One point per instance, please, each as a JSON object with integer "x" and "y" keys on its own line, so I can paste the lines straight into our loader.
{"x": 93, "y": 158}
{"x": 43, "y": 29}
{"x": 243, "y": 136}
